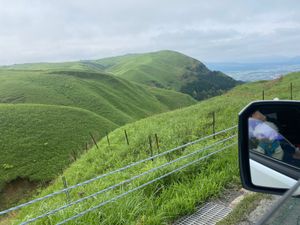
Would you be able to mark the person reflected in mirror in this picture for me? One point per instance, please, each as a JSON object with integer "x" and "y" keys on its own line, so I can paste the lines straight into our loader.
{"x": 264, "y": 136}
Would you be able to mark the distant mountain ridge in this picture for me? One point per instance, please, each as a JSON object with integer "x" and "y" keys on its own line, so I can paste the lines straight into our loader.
{"x": 164, "y": 69}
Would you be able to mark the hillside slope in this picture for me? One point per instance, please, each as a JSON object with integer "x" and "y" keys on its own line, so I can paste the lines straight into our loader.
{"x": 40, "y": 135}
{"x": 87, "y": 66}
{"x": 115, "y": 99}
{"x": 165, "y": 200}
{"x": 163, "y": 69}
{"x": 40, "y": 141}
{"x": 170, "y": 70}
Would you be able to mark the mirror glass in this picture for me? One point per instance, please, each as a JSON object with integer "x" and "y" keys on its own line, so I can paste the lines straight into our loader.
{"x": 274, "y": 145}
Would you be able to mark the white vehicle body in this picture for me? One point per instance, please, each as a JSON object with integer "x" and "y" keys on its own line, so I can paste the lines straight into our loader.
{"x": 267, "y": 177}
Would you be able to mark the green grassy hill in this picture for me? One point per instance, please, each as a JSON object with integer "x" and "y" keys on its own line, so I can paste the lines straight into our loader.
{"x": 171, "y": 70}
{"x": 163, "y": 69}
{"x": 87, "y": 66}
{"x": 178, "y": 194}
{"x": 40, "y": 141}
{"x": 44, "y": 135}
{"x": 115, "y": 99}
{"x": 47, "y": 115}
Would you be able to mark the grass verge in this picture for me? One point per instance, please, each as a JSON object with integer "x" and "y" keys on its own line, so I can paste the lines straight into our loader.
{"x": 243, "y": 209}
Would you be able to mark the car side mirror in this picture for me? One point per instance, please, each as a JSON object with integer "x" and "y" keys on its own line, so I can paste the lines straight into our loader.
{"x": 269, "y": 146}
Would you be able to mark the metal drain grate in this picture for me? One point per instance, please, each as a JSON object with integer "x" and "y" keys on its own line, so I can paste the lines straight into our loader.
{"x": 209, "y": 214}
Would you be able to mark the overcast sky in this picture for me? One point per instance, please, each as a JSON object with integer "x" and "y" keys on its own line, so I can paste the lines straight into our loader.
{"x": 209, "y": 30}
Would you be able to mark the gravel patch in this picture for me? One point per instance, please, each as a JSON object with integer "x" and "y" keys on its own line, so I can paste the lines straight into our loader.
{"x": 262, "y": 208}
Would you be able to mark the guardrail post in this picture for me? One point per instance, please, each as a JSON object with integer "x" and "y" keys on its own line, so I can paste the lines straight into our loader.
{"x": 263, "y": 95}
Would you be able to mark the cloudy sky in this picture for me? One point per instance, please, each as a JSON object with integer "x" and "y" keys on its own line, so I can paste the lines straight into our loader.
{"x": 209, "y": 30}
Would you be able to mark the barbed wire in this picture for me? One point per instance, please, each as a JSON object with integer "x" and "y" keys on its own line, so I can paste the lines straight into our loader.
{"x": 63, "y": 191}
{"x": 127, "y": 181}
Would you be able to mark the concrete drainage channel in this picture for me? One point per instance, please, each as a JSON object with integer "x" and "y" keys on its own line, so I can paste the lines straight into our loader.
{"x": 209, "y": 214}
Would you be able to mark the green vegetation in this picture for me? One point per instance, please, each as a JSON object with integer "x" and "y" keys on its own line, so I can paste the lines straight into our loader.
{"x": 47, "y": 117}
{"x": 171, "y": 70}
{"x": 117, "y": 100}
{"x": 162, "y": 69}
{"x": 83, "y": 66}
{"x": 176, "y": 195}
{"x": 39, "y": 141}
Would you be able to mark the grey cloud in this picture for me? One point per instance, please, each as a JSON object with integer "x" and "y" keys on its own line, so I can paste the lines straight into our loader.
{"x": 209, "y": 30}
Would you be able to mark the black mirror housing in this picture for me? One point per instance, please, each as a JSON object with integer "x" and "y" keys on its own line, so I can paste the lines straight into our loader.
{"x": 280, "y": 171}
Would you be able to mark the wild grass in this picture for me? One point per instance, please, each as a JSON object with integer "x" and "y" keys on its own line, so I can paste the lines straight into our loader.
{"x": 171, "y": 70}
{"x": 47, "y": 116}
{"x": 166, "y": 200}
{"x": 115, "y": 99}
{"x": 39, "y": 141}
{"x": 163, "y": 69}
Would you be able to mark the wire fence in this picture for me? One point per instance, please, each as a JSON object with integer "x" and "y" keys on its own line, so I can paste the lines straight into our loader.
{"x": 141, "y": 186}
{"x": 112, "y": 187}
{"x": 289, "y": 92}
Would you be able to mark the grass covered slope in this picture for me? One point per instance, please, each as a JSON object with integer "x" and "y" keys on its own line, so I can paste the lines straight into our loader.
{"x": 178, "y": 194}
{"x": 115, "y": 99}
{"x": 87, "y": 66}
{"x": 38, "y": 132}
{"x": 162, "y": 69}
{"x": 171, "y": 70}
{"x": 37, "y": 141}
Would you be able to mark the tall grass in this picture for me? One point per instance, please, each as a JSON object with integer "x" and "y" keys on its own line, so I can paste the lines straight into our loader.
{"x": 47, "y": 117}
{"x": 164, "y": 201}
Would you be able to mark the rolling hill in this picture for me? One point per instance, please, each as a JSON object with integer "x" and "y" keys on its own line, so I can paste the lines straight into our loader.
{"x": 178, "y": 194}
{"x": 87, "y": 66}
{"x": 47, "y": 117}
{"x": 163, "y": 69}
{"x": 94, "y": 96}
{"x": 170, "y": 70}
{"x": 113, "y": 98}
{"x": 37, "y": 141}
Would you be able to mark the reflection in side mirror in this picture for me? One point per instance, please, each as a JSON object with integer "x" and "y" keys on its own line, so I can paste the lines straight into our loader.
{"x": 269, "y": 136}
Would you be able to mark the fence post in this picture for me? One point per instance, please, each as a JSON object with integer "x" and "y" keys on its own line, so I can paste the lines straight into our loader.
{"x": 107, "y": 138}
{"x": 94, "y": 140}
{"x": 291, "y": 90}
{"x": 156, "y": 141}
{"x": 126, "y": 137}
{"x": 214, "y": 124}
{"x": 74, "y": 155}
{"x": 150, "y": 144}
{"x": 263, "y": 95}
{"x": 65, "y": 183}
